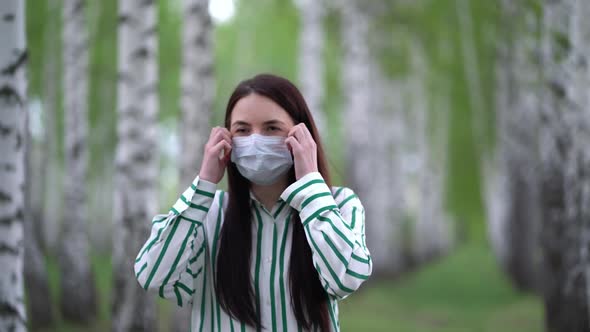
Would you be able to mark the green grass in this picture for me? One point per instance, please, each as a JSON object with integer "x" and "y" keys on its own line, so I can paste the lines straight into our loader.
{"x": 464, "y": 292}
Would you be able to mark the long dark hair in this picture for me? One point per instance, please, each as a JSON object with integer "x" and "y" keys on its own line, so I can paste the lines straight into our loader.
{"x": 233, "y": 282}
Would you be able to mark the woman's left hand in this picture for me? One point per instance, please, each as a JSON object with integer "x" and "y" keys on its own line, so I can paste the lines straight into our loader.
{"x": 304, "y": 149}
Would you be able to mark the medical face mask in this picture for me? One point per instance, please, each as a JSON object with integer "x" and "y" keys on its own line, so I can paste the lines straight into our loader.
{"x": 261, "y": 159}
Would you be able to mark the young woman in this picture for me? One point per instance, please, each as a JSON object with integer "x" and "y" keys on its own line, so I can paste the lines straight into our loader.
{"x": 280, "y": 247}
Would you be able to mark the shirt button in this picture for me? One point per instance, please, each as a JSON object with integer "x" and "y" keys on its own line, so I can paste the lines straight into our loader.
{"x": 268, "y": 260}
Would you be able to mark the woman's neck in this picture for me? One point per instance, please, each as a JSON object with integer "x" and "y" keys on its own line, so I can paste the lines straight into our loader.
{"x": 269, "y": 195}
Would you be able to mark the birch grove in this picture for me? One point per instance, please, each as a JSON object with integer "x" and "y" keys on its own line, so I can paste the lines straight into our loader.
{"x": 78, "y": 294}
{"x": 198, "y": 91}
{"x": 136, "y": 161}
{"x": 13, "y": 99}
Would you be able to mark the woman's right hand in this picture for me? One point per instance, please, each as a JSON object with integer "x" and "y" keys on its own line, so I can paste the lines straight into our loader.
{"x": 214, "y": 162}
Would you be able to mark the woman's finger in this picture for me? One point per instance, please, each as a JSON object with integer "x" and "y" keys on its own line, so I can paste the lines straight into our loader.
{"x": 297, "y": 133}
{"x": 306, "y": 132}
{"x": 214, "y": 131}
{"x": 220, "y": 135}
{"x": 293, "y": 144}
{"x": 216, "y": 149}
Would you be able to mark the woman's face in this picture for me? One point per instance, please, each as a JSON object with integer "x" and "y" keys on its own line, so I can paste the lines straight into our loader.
{"x": 256, "y": 114}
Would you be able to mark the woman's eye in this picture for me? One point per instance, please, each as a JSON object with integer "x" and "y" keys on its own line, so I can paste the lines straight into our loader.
{"x": 240, "y": 130}
{"x": 274, "y": 128}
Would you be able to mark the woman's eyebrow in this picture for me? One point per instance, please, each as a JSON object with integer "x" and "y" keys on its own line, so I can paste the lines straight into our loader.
{"x": 240, "y": 123}
{"x": 274, "y": 122}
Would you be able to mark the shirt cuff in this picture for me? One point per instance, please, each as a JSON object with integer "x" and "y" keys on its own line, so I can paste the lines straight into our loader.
{"x": 311, "y": 188}
{"x": 198, "y": 190}
{"x": 200, "y": 185}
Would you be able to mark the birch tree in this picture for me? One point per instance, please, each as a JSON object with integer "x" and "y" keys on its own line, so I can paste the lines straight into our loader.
{"x": 35, "y": 272}
{"x": 198, "y": 90}
{"x": 310, "y": 58}
{"x": 384, "y": 203}
{"x": 39, "y": 153}
{"x": 77, "y": 288}
{"x": 13, "y": 55}
{"x": 136, "y": 160}
{"x": 424, "y": 161}
{"x": 512, "y": 192}
{"x": 565, "y": 160}
{"x": 356, "y": 79}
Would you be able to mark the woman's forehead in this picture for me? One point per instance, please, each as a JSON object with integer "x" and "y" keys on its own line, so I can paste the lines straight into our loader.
{"x": 256, "y": 109}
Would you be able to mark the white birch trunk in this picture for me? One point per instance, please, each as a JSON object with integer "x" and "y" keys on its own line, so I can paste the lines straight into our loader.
{"x": 198, "y": 90}
{"x": 512, "y": 172}
{"x": 565, "y": 193}
{"x": 356, "y": 84}
{"x": 77, "y": 288}
{"x": 198, "y": 86}
{"x": 35, "y": 272}
{"x": 383, "y": 201}
{"x": 579, "y": 200}
{"x": 136, "y": 161}
{"x": 311, "y": 57}
{"x": 425, "y": 164}
{"x": 12, "y": 158}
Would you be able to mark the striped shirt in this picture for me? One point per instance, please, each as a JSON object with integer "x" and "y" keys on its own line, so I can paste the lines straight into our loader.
{"x": 178, "y": 259}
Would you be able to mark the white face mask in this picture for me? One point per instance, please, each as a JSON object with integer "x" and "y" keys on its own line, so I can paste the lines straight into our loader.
{"x": 261, "y": 159}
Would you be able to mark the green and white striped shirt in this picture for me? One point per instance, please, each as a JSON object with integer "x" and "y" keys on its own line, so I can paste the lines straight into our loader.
{"x": 178, "y": 258}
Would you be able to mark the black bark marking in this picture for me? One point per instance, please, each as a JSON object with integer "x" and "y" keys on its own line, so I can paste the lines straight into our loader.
{"x": 150, "y": 31}
{"x": 146, "y": 3}
{"x": 5, "y": 130}
{"x": 7, "y": 221}
{"x": 13, "y": 67}
{"x": 201, "y": 40}
{"x": 5, "y": 197}
{"x": 206, "y": 71}
{"x": 8, "y": 250}
{"x": 19, "y": 140}
{"x": 148, "y": 89}
{"x": 8, "y": 167}
{"x": 76, "y": 149}
{"x": 141, "y": 52}
{"x": 8, "y": 17}
{"x": 79, "y": 6}
{"x": 143, "y": 156}
{"x": 558, "y": 89}
{"x": 124, "y": 18}
{"x": 124, "y": 77}
{"x": 20, "y": 214}
{"x": 10, "y": 95}
{"x": 196, "y": 8}
{"x": 9, "y": 309}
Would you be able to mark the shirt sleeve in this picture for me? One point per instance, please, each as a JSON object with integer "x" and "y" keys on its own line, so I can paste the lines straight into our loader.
{"x": 174, "y": 254}
{"x": 335, "y": 231}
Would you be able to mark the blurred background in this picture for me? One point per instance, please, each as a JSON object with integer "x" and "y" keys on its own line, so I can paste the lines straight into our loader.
{"x": 461, "y": 124}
